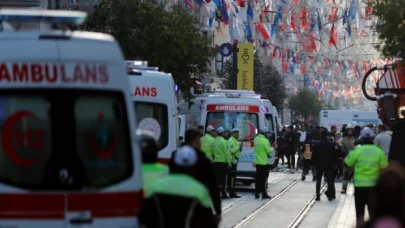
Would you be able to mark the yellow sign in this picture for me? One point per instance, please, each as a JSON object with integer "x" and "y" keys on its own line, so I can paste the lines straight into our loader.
{"x": 245, "y": 66}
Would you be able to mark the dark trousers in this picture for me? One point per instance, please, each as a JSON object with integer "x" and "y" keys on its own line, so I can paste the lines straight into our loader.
{"x": 307, "y": 165}
{"x": 231, "y": 178}
{"x": 262, "y": 173}
{"x": 347, "y": 175}
{"x": 361, "y": 199}
{"x": 221, "y": 170}
{"x": 280, "y": 155}
{"x": 291, "y": 158}
{"x": 329, "y": 174}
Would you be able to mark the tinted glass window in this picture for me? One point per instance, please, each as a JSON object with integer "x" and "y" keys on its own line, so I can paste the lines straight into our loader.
{"x": 270, "y": 124}
{"x": 63, "y": 139}
{"x": 154, "y": 117}
{"x": 247, "y": 123}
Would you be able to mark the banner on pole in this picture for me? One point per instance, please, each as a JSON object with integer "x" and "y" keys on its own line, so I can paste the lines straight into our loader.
{"x": 245, "y": 66}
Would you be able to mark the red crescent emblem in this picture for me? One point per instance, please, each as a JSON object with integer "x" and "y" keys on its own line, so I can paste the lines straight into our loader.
{"x": 102, "y": 153}
{"x": 215, "y": 123}
{"x": 7, "y": 139}
{"x": 252, "y": 130}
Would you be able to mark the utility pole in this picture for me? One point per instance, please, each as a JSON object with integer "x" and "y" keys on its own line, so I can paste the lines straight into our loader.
{"x": 235, "y": 64}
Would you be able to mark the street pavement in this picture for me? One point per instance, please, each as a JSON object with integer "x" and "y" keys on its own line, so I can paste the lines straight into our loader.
{"x": 287, "y": 207}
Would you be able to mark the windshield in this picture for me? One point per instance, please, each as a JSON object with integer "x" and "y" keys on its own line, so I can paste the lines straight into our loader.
{"x": 154, "y": 117}
{"x": 270, "y": 123}
{"x": 64, "y": 139}
{"x": 247, "y": 123}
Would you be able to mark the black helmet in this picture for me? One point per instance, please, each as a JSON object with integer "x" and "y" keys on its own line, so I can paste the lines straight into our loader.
{"x": 148, "y": 145}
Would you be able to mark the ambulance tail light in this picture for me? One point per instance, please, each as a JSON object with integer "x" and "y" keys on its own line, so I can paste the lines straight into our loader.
{"x": 39, "y": 15}
{"x": 233, "y": 95}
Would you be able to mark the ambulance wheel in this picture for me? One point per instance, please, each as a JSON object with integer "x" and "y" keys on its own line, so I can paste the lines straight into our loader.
{"x": 247, "y": 182}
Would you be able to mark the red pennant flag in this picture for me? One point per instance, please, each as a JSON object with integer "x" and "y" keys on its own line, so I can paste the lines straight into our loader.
{"x": 333, "y": 37}
{"x": 313, "y": 43}
{"x": 295, "y": 2}
{"x": 292, "y": 24}
{"x": 298, "y": 59}
{"x": 303, "y": 69}
{"x": 303, "y": 15}
{"x": 241, "y": 3}
{"x": 333, "y": 14}
{"x": 275, "y": 52}
{"x": 262, "y": 31}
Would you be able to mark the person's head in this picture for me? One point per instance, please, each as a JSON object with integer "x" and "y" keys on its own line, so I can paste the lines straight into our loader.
{"x": 264, "y": 131}
{"x": 290, "y": 127}
{"x": 235, "y": 133}
{"x": 201, "y": 129}
{"x": 184, "y": 160}
{"x": 210, "y": 130}
{"x": 193, "y": 138}
{"x": 302, "y": 128}
{"x": 331, "y": 136}
{"x": 349, "y": 130}
{"x": 390, "y": 190}
{"x": 333, "y": 129}
{"x": 367, "y": 134}
{"x": 324, "y": 135}
{"x": 357, "y": 130}
{"x": 381, "y": 128}
{"x": 370, "y": 125}
{"x": 149, "y": 146}
{"x": 220, "y": 131}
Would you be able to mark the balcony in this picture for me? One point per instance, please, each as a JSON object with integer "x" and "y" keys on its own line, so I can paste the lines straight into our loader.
{"x": 82, "y": 5}
{"x": 20, "y": 3}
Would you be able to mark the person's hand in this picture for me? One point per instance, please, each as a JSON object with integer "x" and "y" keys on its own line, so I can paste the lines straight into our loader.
{"x": 217, "y": 218}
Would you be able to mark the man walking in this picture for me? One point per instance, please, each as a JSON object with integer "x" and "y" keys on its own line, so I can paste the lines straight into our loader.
{"x": 383, "y": 140}
{"x": 324, "y": 159}
{"x": 234, "y": 149}
{"x": 367, "y": 160}
{"x": 347, "y": 147}
{"x": 292, "y": 142}
{"x": 262, "y": 153}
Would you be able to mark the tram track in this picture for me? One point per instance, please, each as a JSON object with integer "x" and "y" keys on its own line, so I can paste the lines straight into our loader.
{"x": 259, "y": 210}
{"x": 243, "y": 199}
{"x": 297, "y": 220}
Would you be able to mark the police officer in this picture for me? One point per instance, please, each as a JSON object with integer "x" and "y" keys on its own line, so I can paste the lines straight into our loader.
{"x": 234, "y": 149}
{"x": 347, "y": 146}
{"x": 221, "y": 160}
{"x": 207, "y": 142}
{"x": 367, "y": 160}
{"x": 193, "y": 205}
{"x": 324, "y": 158}
{"x": 152, "y": 170}
{"x": 262, "y": 153}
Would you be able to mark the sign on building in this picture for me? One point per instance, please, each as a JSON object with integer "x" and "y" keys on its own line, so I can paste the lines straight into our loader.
{"x": 245, "y": 66}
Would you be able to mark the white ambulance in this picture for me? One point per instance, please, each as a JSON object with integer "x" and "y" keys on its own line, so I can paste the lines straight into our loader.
{"x": 68, "y": 155}
{"x": 277, "y": 120}
{"x": 155, "y": 105}
{"x": 236, "y": 110}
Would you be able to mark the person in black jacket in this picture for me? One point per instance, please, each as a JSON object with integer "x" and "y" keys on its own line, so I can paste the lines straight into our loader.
{"x": 324, "y": 159}
{"x": 204, "y": 172}
{"x": 281, "y": 146}
{"x": 292, "y": 138}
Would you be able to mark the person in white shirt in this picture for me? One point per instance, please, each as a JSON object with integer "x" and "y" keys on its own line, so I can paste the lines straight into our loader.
{"x": 383, "y": 140}
{"x": 303, "y": 137}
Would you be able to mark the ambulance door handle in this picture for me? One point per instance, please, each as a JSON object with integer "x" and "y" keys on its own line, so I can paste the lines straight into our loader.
{"x": 80, "y": 221}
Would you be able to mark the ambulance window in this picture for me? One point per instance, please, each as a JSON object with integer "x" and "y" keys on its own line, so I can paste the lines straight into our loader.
{"x": 269, "y": 120}
{"x": 102, "y": 139}
{"x": 247, "y": 123}
{"x": 59, "y": 139}
{"x": 154, "y": 117}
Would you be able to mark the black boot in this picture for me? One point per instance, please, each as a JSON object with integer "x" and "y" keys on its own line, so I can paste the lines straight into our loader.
{"x": 318, "y": 198}
{"x": 257, "y": 195}
{"x": 265, "y": 196}
{"x": 303, "y": 178}
{"x": 233, "y": 195}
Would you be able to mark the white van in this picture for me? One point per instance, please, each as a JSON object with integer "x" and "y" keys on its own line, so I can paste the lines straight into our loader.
{"x": 69, "y": 156}
{"x": 192, "y": 110}
{"x": 235, "y": 110}
{"x": 155, "y": 105}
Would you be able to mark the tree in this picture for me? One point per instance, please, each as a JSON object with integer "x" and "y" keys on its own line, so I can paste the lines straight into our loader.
{"x": 267, "y": 81}
{"x": 391, "y": 27}
{"x": 305, "y": 103}
{"x": 166, "y": 37}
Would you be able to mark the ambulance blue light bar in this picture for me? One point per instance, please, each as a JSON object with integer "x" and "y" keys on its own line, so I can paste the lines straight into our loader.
{"x": 36, "y": 15}
{"x": 137, "y": 64}
{"x": 233, "y": 95}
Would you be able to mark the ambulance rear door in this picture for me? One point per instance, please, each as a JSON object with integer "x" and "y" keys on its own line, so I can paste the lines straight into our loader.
{"x": 156, "y": 108}
{"x": 68, "y": 153}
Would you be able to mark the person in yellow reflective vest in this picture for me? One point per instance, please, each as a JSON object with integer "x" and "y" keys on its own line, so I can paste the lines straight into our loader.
{"x": 222, "y": 160}
{"x": 262, "y": 153}
{"x": 367, "y": 160}
{"x": 207, "y": 142}
{"x": 234, "y": 149}
{"x": 179, "y": 200}
{"x": 151, "y": 169}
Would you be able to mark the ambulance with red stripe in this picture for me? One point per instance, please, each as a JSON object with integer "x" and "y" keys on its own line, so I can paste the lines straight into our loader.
{"x": 153, "y": 94}
{"x": 242, "y": 110}
{"x": 68, "y": 155}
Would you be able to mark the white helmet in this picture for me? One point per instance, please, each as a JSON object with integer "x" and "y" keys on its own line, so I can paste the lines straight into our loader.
{"x": 349, "y": 126}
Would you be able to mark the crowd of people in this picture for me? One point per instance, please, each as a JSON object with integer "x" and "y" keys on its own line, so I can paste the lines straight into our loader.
{"x": 203, "y": 171}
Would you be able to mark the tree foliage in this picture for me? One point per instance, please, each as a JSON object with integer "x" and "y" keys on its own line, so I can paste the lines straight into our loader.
{"x": 305, "y": 103}
{"x": 166, "y": 36}
{"x": 267, "y": 81}
{"x": 391, "y": 27}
